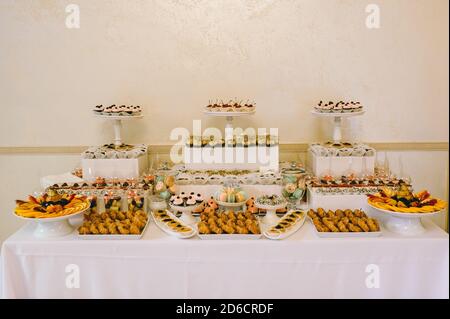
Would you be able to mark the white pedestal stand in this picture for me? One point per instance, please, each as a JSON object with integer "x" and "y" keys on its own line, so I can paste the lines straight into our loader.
{"x": 117, "y": 124}
{"x": 229, "y": 116}
{"x": 337, "y": 121}
{"x": 407, "y": 224}
{"x": 53, "y": 227}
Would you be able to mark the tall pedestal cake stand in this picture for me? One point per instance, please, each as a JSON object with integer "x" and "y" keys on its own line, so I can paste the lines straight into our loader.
{"x": 337, "y": 121}
{"x": 117, "y": 124}
{"x": 407, "y": 224}
{"x": 229, "y": 116}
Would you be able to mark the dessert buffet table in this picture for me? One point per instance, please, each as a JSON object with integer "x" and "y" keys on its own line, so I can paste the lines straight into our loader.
{"x": 160, "y": 266}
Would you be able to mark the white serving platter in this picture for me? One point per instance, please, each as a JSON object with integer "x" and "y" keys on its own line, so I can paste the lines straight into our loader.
{"x": 345, "y": 235}
{"x": 292, "y": 230}
{"x": 230, "y": 236}
{"x": 169, "y": 231}
{"x": 116, "y": 237}
{"x": 405, "y": 215}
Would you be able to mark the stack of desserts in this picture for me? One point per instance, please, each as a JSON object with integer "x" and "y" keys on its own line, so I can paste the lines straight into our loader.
{"x": 230, "y": 106}
{"x": 118, "y": 110}
{"x": 338, "y": 107}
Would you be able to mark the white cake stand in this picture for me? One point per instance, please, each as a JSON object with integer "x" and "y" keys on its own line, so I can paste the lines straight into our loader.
{"x": 408, "y": 224}
{"x": 271, "y": 217}
{"x": 117, "y": 124}
{"x": 229, "y": 115}
{"x": 186, "y": 215}
{"x": 337, "y": 130}
{"x": 52, "y": 227}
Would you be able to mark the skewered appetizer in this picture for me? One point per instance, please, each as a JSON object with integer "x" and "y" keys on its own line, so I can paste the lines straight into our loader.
{"x": 405, "y": 201}
{"x": 343, "y": 221}
{"x": 135, "y": 202}
{"x": 51, "y": 205}
{"x": 112, "y": 202}
{"x": 114, "y": 223}
{"x": 286, "y": 222}
{"x": 171, "y": 223}
{"x": 228, "y": 222}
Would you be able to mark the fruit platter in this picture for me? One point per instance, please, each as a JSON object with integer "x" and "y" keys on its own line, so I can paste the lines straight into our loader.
{"x": 51, "y": 211}
{"x": 404, "y": 209}
{"x": 405, "y": 201}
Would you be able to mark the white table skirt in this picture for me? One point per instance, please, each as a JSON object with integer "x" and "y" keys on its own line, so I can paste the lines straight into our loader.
{"x": 159, "y": 266}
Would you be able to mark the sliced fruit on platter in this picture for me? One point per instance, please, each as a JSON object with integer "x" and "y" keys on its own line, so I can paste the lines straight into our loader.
{"x": 51, "y": 205}
{"x": 405, "y": 201}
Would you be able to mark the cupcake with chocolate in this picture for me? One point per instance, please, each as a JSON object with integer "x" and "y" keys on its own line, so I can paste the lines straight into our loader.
{"x": 99, "y": 109}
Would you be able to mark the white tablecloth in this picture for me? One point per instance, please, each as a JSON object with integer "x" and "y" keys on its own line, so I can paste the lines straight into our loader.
{"x": 159, "y": 266}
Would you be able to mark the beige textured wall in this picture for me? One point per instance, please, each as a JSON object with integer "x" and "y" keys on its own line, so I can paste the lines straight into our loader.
{"x": 172, "y": 56}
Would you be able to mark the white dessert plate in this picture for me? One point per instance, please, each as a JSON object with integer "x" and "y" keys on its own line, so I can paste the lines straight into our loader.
{"x": 161, "y": 225}
{"x": 116, "y": 237}
{"x": 290, "y": 231}
{"x": 119, "y": 117}
{"x": 232, "y": 114}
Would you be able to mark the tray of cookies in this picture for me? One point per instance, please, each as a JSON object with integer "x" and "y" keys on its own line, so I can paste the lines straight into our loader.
{"x": 172, "y": 225}
{"x": 343, "y": 223}
{"x": 228, "y": 225}
{"x": 114, "y": 225}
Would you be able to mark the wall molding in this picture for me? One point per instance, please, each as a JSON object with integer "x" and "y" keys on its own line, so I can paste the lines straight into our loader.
{"x": 164, "y": 149}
